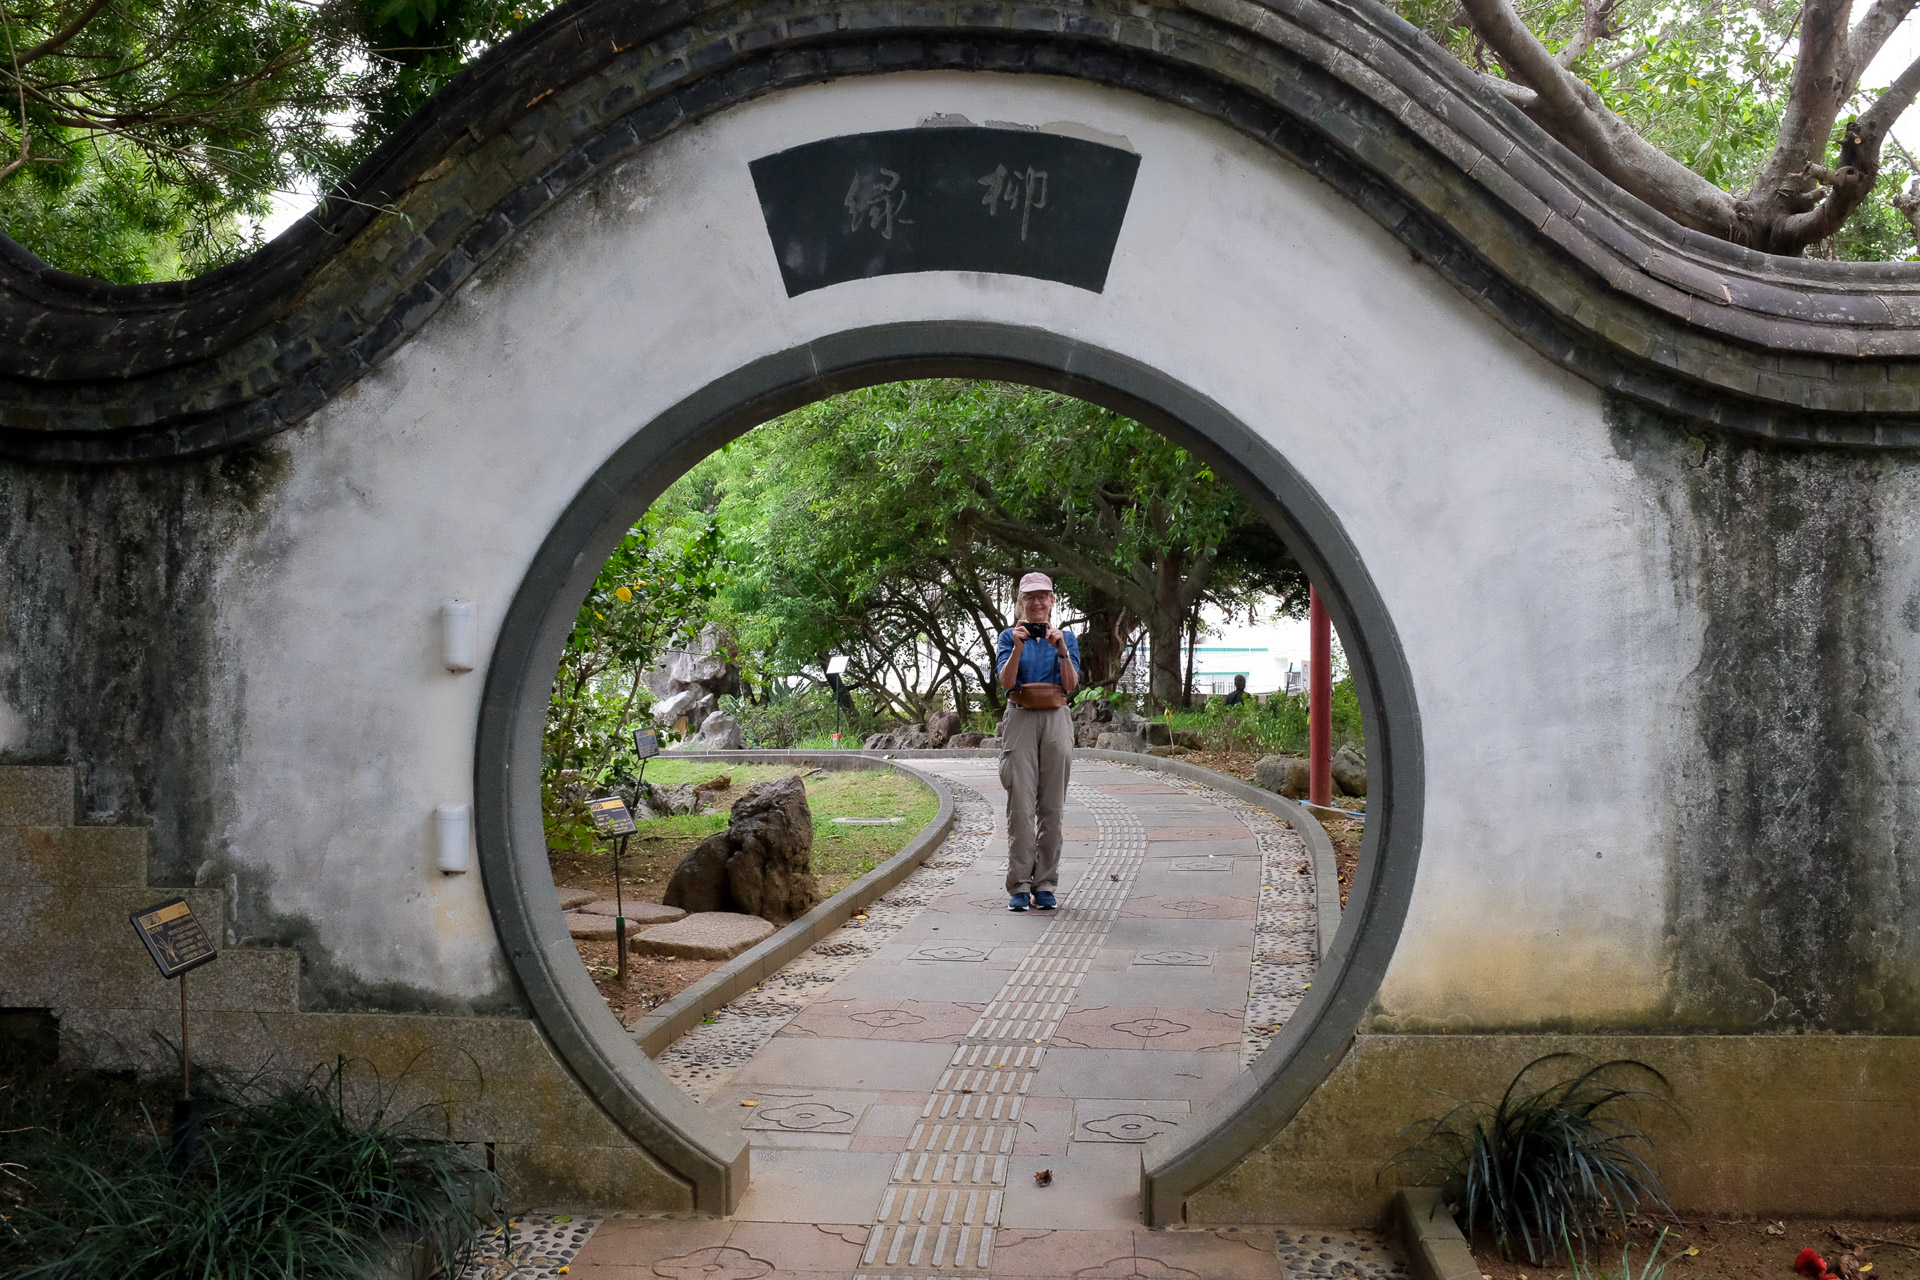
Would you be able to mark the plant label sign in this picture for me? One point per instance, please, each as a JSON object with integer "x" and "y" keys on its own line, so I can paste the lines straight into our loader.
{"x": 173, "y": 937}
{"x": 646, "y": 743}
{"x": 610, "y": 816}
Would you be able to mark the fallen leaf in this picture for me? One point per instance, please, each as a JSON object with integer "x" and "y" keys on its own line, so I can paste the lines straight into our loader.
{"x": 1693, "y": 1252}
{"x": 751, "y": 1102}
{"x": 1775, "y": 1228}
{"x": 1044, "y": 1178}
{"x": 1114, "y": 878}
{"x": 565, "y": 1217}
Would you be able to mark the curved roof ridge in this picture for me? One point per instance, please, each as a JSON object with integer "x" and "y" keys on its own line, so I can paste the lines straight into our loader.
{"x": 1715, "y": 333}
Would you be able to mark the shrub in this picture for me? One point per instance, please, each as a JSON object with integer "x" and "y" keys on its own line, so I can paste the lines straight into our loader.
{"x": 287, "y": 1183}
{"x": 1547, "y": 1166}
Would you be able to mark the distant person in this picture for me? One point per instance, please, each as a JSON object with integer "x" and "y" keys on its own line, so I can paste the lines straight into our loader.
{"x": 1239, "y": 694}
{"x": 1039, "y": 667}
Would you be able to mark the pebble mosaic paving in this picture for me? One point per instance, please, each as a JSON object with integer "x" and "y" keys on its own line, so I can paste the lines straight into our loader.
{"x": 534, "y": 1246}
{"x": 949, "y": 1091}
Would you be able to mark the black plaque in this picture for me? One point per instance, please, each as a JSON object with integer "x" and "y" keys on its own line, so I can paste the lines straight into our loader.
{"x": 610, "y": 816}
{"x": 174, "y": 938}
{"x": 646, "y": 743}
{"x": 957, "y": 198}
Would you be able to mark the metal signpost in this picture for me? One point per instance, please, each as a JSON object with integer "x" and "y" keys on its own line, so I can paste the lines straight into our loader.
{"x": 836, "y": 669}
{"x": 177, "y": 944}
{"x": 610, "y": 818}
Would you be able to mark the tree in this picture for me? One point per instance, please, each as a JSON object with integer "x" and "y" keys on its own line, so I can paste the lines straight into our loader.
{"x": 143, "y": 139}
{"x": 653, "y": 591}
{"x": 1614, "y": 79}
{"x": 917, "y": 504}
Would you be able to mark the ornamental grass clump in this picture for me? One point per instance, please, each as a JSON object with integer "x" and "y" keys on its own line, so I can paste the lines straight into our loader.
{"x": 291, "y": 1181}
{"x": 1548, "y": 1165}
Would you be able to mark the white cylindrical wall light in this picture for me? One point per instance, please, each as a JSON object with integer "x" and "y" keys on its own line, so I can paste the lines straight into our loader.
{"x": 457, "y": 640}
{"x": 453, "y": 838}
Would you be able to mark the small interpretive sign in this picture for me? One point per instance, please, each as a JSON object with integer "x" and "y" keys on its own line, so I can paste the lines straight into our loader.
{"x": 1021, "y": 202}
{"x": 610, "y": 816}
{"x": 173, "y": 937}
{"x": 646, "y": 743}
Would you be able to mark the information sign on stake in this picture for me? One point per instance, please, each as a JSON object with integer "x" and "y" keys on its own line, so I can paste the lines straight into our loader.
{"x": 646, "y": 743}
{"x": 173, "y": 937}
{"x": 610, "y": 816}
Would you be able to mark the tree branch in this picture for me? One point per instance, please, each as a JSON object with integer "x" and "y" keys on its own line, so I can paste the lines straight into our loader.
{"x": 1869, "y": 36}
{"x": 58, "y": 39}
{"x": 1576, "y": 115}
{"x": 1596, "y": 23}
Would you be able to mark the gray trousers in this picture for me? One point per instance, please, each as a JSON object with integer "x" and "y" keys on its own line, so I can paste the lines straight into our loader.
{"x": 1034, "y": 764}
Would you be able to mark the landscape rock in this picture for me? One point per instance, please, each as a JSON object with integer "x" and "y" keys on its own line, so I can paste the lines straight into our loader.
{"x": 878, "y": 742}
{"x": 1120, "y": 742}
{"x": 1188, "y": 738}
{"x": 699, "y": 883}
{"x": 670, "y": 710}
{"x": 639, "y": 914}
{"x": 718, "y": 732}
{"x": 941, "y": 726}
{"x": 770, "y": 871}
{"x": 574, "y": 899}
{"x": 704, "y": 935}
{"x": 1350, "y": 771}
{"x": 1158, "y": 733}
{"x": 993, "y": 743}
{"x": 762, "y": 864}
{"x": 965, "y": 741}
{"x": 1167, "y": 752}
{"x": 1286, "y": 775}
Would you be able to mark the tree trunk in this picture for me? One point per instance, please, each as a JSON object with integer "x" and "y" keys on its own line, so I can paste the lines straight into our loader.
{"x": 1193, "y": 642}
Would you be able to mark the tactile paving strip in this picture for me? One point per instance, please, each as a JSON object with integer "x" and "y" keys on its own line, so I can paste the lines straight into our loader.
{"x": 942, "y": 1203}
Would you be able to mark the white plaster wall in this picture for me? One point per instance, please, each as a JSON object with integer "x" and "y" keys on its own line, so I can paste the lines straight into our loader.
{"x": 1511, "y": 545}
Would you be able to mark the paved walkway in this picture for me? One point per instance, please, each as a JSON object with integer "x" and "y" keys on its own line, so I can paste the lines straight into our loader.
{"x": 951, "y": 1089}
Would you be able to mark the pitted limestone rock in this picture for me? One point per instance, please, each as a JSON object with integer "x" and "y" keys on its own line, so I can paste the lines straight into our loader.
{"x": 704, "y": 935}
{"x": 1283, "y": 775}
{"x": 762, "y": 864}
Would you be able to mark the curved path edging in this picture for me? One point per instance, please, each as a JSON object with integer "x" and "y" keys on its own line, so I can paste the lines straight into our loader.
{"x": 673, "y": 1019}
{"x": 1326, "y": 872}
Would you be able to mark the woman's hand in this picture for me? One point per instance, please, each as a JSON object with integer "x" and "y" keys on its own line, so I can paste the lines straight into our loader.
{"x": 1058, "y": 639}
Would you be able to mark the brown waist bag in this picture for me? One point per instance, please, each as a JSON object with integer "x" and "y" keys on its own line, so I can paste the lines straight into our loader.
{"x": 1038, "y": 697}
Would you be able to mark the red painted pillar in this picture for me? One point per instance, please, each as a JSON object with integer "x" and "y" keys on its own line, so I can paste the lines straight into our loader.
{"x": 1319, "y": 703}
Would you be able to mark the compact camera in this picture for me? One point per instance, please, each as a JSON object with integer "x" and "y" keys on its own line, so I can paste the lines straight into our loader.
{"x": 1035, "y": 630}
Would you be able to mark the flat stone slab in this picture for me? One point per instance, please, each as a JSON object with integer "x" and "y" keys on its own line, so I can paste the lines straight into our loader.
{"x": 592, "y": 928}
{"x": 640, "y": 914}
{"x": 704, "y": 935}
{"x": 574, "y": 899}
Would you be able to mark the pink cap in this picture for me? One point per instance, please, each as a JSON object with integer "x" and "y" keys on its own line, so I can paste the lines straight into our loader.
{"x": 1036, "y": 582}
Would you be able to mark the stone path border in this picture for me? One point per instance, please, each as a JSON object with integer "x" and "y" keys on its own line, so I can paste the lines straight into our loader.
{"x": 701, "y": 1060}
{"x": 665, "y": 1024}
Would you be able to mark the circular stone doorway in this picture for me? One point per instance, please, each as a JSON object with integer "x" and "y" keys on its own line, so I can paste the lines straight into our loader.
{"x": 533, "y": 632}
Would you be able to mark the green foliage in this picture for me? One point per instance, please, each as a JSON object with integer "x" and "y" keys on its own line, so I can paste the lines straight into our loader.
{"x": 786, "y": 719}
{"x": 1548, "y": 1165}
{"x": 292, "y": 1182}
{"x": 1706, "y": 83}
{"x": 143, "y": 139}
{"x": 885, "y": 521}
{"x": 652, "y": 593}
{"x": 1651, "y": 1269}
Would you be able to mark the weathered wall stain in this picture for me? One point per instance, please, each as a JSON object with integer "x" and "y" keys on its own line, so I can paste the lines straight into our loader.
{"x": 1791, "y": 902}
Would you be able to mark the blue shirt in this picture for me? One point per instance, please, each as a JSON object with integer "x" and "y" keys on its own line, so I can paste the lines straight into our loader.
{"x": 1039, "y": 663}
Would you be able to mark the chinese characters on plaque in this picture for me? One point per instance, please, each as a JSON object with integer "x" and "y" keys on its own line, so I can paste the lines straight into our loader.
{"x": 952, "y": 198}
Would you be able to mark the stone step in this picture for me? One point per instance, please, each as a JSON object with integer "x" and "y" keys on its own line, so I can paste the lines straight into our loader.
{"x": 97, "y": 857}
{"x": 122, "y": 975}
{"x": 36, "y": 795}
{"x": 46, "y": 916}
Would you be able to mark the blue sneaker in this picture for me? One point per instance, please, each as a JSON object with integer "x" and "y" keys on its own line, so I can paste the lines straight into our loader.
{"x": 1043, "y": 901}
{"x": 1018, "y": 902}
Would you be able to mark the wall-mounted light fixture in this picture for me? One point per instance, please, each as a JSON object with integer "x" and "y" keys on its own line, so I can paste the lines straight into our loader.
{"x": 457, "y": 639}
{"x": 453, "y": 836}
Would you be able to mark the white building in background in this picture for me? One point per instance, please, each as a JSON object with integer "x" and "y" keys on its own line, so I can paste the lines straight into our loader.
{"x": 1271, "y": 652}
